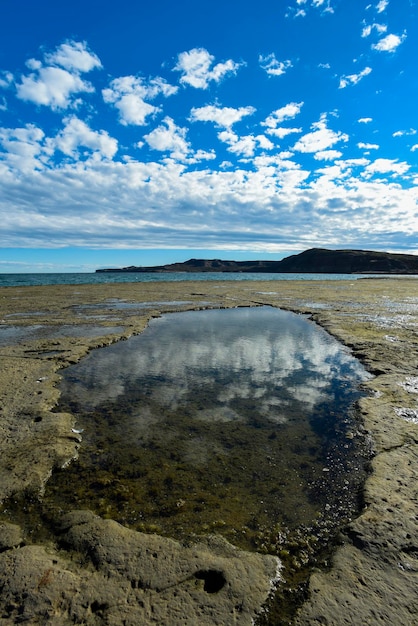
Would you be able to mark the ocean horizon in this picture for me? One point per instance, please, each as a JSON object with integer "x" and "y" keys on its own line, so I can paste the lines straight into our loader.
{"x": 93, "y": 278}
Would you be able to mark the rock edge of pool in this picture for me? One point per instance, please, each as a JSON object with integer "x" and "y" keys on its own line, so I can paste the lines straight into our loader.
{"x": 95, "y": 571}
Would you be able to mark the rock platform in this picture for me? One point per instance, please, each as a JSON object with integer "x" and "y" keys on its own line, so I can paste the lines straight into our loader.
{"x": 94, "y": 571}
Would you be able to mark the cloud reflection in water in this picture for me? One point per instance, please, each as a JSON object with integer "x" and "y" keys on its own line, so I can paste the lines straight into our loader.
{"x": 273, "y": 357}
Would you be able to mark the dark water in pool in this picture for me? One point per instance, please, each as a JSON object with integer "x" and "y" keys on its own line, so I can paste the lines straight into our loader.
{"x": 237, "y": 421}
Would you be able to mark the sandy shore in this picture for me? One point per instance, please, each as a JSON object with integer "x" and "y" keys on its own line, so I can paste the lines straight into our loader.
{"x": 97, "y": 572}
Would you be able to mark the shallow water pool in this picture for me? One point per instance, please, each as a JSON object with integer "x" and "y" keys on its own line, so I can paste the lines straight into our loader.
{"x": 237, "y": 421}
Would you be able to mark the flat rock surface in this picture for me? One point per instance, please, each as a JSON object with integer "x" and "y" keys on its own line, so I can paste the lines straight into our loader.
{"x": 98, "y": 572}
{"x": 128, "y": 578}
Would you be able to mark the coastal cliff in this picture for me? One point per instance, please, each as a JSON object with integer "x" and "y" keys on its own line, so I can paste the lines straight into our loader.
{"x": 313, "y": 261}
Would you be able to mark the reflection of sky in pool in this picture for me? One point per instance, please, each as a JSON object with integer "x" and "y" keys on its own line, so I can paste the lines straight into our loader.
{"x": 213, "y": 420}
{"x": 270, "y": 355}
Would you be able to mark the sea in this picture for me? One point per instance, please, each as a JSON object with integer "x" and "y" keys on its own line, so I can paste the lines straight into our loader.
{"x": 28, "y": 279}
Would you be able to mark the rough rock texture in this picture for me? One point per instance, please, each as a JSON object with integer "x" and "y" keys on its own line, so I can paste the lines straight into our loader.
{"x": 96, "y": 572}
{"x": 120, "y": 577}
{"x": 374, "y": 576}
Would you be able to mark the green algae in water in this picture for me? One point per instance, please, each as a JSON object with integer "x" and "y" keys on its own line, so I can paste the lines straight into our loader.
{"x": 236, "y": 421}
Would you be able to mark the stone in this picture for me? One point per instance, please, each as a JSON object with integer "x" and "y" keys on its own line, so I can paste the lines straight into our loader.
{"x": 96, "y": 572}
{"x": 111, "y": 575}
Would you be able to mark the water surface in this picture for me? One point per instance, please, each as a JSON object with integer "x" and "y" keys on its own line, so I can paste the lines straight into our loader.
{"x": 85, "y": 278}
{"x": 237, "y": 421}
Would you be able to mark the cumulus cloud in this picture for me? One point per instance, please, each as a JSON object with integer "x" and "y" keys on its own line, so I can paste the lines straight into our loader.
{"x": 221, "y": 116}
{"x": 168, "y": 137}
{"x": 129, "y": 95}
{"x": 288, "y": 112}
{"x": 198, "y": 70}
{"x": 328, "y": 155}
{"x": 389, "y": 43}
{"x": 368, "y": 146}
{"x": 321, "y": 138}
{"x": 272, "y": 66}
{"x": 23, "y": 148}
{"x": 73, "y": 56}
{"x": 55, "y": 81}
{"x": 282, "y": 131}
{"x": 387, "y": 166}
{"x": 353, "y": 79}
{"x": 77, "y": 134}
{"x": 262, "y": 197}
{"x": 382, "y": 5}
{"x": 267, "y": 207}
{"x": 52, "y": 86}
{"x": 245, "y": 145}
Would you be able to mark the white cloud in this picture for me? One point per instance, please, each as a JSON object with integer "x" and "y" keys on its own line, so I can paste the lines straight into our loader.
{"x": 321, "y": 138}
{"x": 272, "y": 66}
{"x": 389, "y": 43}
{"x": 382, "y": 5}
{"x": 353, "y": 79}
{"x": 331, "y": 172}
{"x": 201, "y": 155}
{"x": 221, "y": 116}
{"x": 287, "y": 112}
{"x": 244, "y": 146}
{"x": 369, "y": 28}
{"x": 163, "y": 205}
{"x": 324, "y": 5}
{"x": 387, "y": 166}
{"x": 169, "y": 138}
{"x": 197, "y": 68}
{"x": 6, "y": 79}
{"x": 55, "y": 82}
{"x": 350, "y": 163}
{"x": 320, "y": 3}
{"x": 77, "y": 134}
{"x": 129, "y": 95}
{"x": 53, "y": 87}
{"x": 262, "y": 197}
{"x": 402, "y": 133}
{"x": 368, "y": 146}
{"x": 73, "y": 56}
{"x": 282, "y": 131}
{"x": 23, "y": 148}
{"x": 328, "y": 155}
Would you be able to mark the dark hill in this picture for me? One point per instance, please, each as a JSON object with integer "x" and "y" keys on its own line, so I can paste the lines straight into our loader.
{"x": 313, "y": 261}
{"x": 319, "y": 260}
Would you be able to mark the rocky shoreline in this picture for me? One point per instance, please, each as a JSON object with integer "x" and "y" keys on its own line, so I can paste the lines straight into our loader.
{"x": 94, "y": 571}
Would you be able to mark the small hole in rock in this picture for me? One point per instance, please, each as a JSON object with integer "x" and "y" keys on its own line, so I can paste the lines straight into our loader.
{"x": 214, "y": 580}
{"x": 98, "y": 607}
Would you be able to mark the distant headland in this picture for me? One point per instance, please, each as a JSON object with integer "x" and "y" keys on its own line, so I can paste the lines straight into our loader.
{"x": 313, "y": 261}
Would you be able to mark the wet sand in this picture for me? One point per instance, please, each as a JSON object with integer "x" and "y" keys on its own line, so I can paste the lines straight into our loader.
{"x": 80, "y": 576}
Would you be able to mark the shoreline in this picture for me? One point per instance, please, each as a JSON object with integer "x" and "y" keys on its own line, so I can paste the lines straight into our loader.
{"x": 374, "y": 571}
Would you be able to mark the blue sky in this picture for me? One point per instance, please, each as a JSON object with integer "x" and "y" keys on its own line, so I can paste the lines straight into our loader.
{"x": 139, "y": 134}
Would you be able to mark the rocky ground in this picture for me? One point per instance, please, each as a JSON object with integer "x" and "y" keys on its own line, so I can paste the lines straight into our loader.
{"x": 94, "y": 571}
